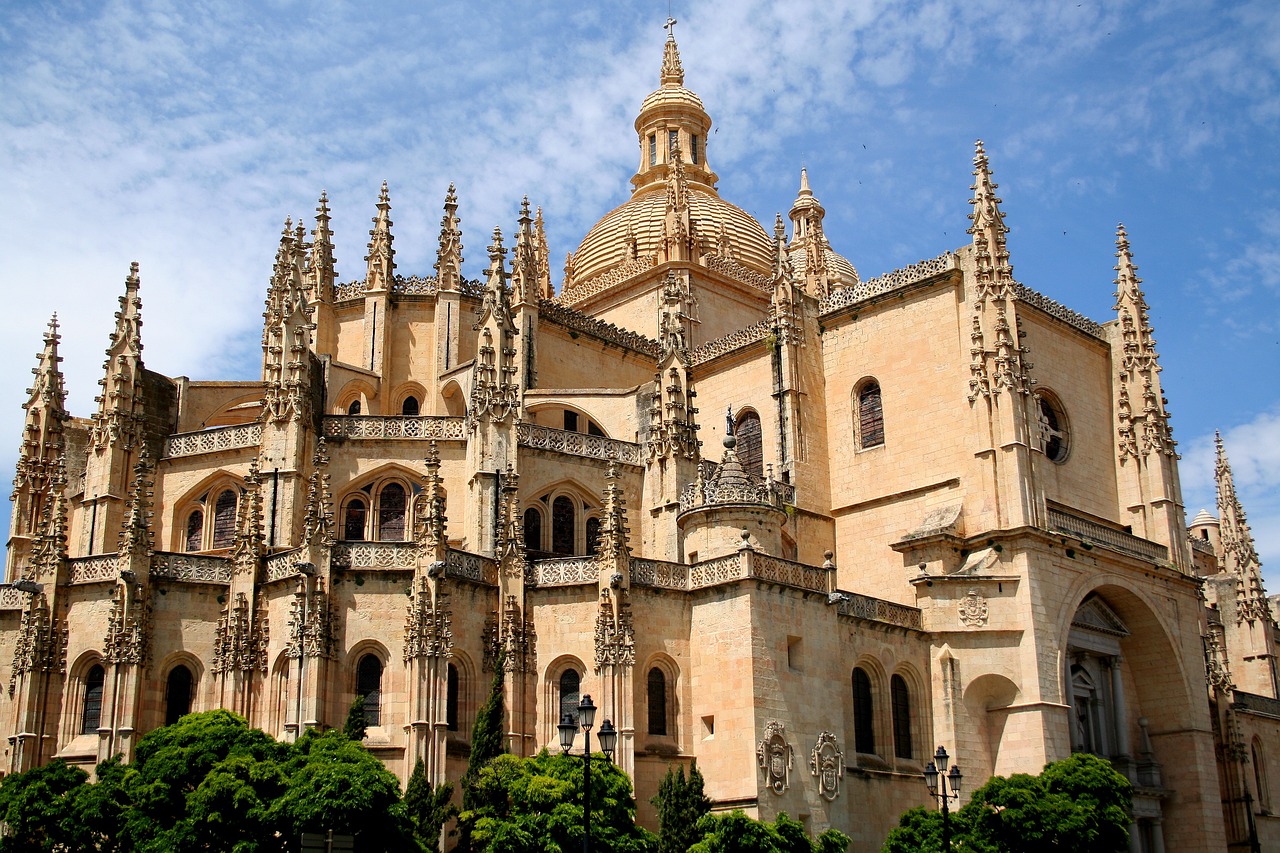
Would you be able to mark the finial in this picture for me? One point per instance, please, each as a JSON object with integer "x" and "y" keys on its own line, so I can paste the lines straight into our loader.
{"x": 524, "y": 210}
{"x": 804, "y": 182}
{"x": 779, "y": 230}
{"x": 728, "y": 420}
{"x": 384, "y": 197}
{"x": 672, "y": 71}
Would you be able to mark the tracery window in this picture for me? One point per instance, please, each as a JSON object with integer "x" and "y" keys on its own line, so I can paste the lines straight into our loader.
{"x": 750, "y": 448}
{"x": 369, "y": 688}
{"x": 864, "y": 732}
{"x": 354, "y": 520}
{"x": 870, "y": 415}
{"x": 195, "y": 531}
{"x": 91, "y": 712}
{"x": 1055, "y": 437}
{"x": 410, "y": 407}
{"x": 657, "y": 696}
{"x": 451, "y": 700}
{"x": 224, "y": 519}
{"x": 563, "y": 524}
{"x": 570, "y": 683}
{"x": 901, "y": 698}
{"x": 177, "y": 694}
{"x": 391, "y": 513}
{"x": 532, "y": 529}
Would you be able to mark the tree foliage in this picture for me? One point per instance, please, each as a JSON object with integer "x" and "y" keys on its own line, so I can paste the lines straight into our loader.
{"x": 356, "y": 726}
{"x": 429, "y": 808}
{"x": 523, "y": 805}
{"x": 681, "y": 802}
{"x": 736, "y": 832}
{"x": 209, "y": 783}
{"x": 1078, "y": 805}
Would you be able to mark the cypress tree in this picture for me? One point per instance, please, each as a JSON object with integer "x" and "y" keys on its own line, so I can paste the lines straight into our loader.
{"x": 428, "y": 807}
{"x": 356, "y": 726}
{"x": 681, "y": 803}
{"x": 488, "y": 741}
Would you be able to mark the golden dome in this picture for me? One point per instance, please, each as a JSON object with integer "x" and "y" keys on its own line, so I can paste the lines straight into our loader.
{"x": 606, "y": 245}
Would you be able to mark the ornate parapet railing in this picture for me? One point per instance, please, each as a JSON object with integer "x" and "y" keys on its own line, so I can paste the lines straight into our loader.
{"x": 579, "y": 291}
{"x": 717, "y": 571}
{"x": 769, "y": 492}
{"x": 191, "y": 568}
{"x": 730, "y": 268}
{"x": 94, "y": 569}
{"x": 1256, "y": 704}
{"x": 789, "y": 573}
{"x": 283, "y": 565}
{"x": 375, "y": 555}
{"x": 471, "y": 567}
{"x": 1058, "y": 310}
{"x": 12, "y": 599}
{"x": 555, "y": 311}
{"x": 564, "y": 571}
{"x": 213, "y": 440}
{"x": 887, "y": 283}
{"x": 375, "y": 426}
{"x": 1094, "y": 533}
{"x": 735, "y": 340}
{"x": 578, "y": 444}
{"x": 878, "y": 610}
{"x": 1204, "y": 546}
{"x": 659, "y": 574}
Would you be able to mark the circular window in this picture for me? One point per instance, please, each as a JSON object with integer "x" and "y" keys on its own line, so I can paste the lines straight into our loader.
{"x": 1054, "y": 436}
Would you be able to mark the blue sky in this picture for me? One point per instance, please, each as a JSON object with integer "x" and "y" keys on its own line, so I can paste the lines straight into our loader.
{"x": 180, "y": 134}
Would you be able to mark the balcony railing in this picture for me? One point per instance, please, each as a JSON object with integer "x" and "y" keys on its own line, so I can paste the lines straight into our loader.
{"x": 578, "y": 444}
{"x": 878, "y": 610}
{"x": 1099, "y": 534}
{"x": 191, "y": 568}
{"x": 99, "y": 567}
{"x": 375, "y": 426}
{"x": 213, "y": 440}
{"x": 375, "y": 555}
{"x": 564, "y": 571}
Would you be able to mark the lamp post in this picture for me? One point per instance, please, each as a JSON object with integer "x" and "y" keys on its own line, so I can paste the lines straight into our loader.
{"x": 943, "y": 786}
{"x": 608, "y": 739}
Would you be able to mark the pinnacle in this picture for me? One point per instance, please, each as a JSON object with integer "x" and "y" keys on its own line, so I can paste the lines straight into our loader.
{"x": 672, "y": 71}
{"x": 804, "y": 182}
{"x": 384, "y": 196}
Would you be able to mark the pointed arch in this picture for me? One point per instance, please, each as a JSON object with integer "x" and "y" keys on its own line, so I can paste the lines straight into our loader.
{"x": 205, "y": 518}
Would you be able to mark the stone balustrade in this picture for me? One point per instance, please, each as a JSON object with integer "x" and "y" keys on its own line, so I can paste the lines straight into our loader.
{"x": 1093, "y": 533}
{"x": 578, "y": 444}
{"x": 191, "y": 568}
{"x": 212, "y": 440}
{"x": 423, "y": 427}
{"x": 94, "y": 569}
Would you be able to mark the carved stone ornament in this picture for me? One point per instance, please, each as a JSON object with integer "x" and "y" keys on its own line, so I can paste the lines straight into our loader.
{"x": 973, "y": 609}
{"x": 775, "y": 757}
{"x": 827, "y": 763}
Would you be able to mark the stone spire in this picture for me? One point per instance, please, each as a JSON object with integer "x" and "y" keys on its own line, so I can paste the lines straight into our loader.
{"x": 542, "y": 255}
{"x": 449, "y": 255}
{"x": 1239, "y": 557}
{"x": 1146, "y": 430}
{"x": 136, "y": 539}
{"x": 999, "y": 358}
{"x": 784, "y": 312}
{"x": 119, "y": 416}
{"x": 380, "y": 275}
{"x": 494, "y": 391}
{"x": 430, "y": 532}
{"x": 250, "y": 545}
{"x": 42, "y": 438}
{"x": 672, "y": 71}
{"x": 286, "y": 334}
{"x": 317, "y": 520}
{"x": 321, "y": 263}
{"x": 524, "y": 265}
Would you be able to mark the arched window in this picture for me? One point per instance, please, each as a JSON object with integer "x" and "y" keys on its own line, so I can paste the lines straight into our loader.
{"x": 409, "y": 408}
{"x": 864, "y": 729}
{"x": 391, "y": 509}
{"x": 91, "y": 714}
{"x": 195, "y": 531}
{"x": 1054, "y": 437}
{"x": 1260, "y": 776}
{"x": 569, "y": 684}
{"x": 451, "y": 700}
{"x": 750, "y": 446}
{"x": 369, "y": 688}
{"x": 870, "y": 415}
{"x": 563, "y": 521}
{"x": 657, "y": 690}
{"x": 177, "y": 694}
{"x": 532, "y": 529}
{"x": 901, "y": 698}
{"x": 353, "y": 520}
{"x": 224, "y": 520}
{"x": 593, "y": 535}
{"x": 354, "y": 408}
{"x": 1087, "y": 706}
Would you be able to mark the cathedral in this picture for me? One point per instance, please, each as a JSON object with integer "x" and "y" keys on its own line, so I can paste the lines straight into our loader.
{"x": 799, "y": 525}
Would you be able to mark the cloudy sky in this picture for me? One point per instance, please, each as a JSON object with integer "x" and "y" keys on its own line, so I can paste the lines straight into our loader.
{"x": 180, "y": 134}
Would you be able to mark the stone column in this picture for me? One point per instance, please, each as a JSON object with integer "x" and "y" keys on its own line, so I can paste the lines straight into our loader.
{"x": 1157, "y": 835}
{"x": 1119, "y": 714}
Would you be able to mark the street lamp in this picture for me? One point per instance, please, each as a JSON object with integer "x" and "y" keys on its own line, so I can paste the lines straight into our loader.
{"x": 943, "y": 786}
{"x": 608, "y": 740}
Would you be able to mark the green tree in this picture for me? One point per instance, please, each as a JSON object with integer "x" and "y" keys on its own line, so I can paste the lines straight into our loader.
{"x": 735, "y": 832}
{"x": 681, "y": 802}
{"x": 533, "y": 805}
{"x": 356, "y": 726}
{"x": 488, "y": 741}
{"x": 429, "y": 808}
{"x": 37, "y": 809}
{"x": 1077, "y": 805}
